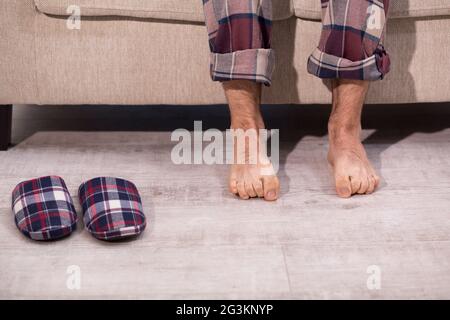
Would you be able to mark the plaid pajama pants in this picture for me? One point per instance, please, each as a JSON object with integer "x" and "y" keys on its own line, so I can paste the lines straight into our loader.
{"x": 350, "y": 46}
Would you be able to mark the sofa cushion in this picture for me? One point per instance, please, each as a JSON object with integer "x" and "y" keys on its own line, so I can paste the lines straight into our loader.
{"x": 310, "y": 9}
{"x": 184, "y": 10}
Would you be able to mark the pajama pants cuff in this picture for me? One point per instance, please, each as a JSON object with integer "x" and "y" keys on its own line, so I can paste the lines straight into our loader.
{"x": 252, "y": 64}
{"x": 328, "y": 66}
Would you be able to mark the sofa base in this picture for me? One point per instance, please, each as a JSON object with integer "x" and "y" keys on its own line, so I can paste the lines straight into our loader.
{"x": 5, "y": 126}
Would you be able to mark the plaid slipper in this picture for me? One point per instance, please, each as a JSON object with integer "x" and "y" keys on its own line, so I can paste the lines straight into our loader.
{"x": 43, "y": 208}
{"x": 112, "y": 208}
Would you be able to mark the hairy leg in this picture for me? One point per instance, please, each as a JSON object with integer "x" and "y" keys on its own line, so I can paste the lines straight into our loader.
{"x": 353, "y": 172}
{"x": 249, "y": 180}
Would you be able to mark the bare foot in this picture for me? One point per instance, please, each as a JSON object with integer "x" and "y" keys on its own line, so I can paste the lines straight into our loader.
{"x": 251, "y": 179}
{"x": 252, "y": 175}
{"x": 353, "y": 173}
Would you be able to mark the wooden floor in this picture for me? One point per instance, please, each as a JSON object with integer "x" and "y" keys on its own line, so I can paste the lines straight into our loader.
{"x": 204, "y": 243}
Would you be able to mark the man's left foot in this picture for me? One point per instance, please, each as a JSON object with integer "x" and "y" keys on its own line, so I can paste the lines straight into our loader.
{"x": 353, "y": 173}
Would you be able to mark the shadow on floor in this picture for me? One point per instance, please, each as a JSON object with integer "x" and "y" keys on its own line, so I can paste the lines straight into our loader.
{"x": 389, "y": 123}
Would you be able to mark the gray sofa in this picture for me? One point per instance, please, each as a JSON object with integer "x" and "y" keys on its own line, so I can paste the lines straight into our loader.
{"x": 133, "y": 52}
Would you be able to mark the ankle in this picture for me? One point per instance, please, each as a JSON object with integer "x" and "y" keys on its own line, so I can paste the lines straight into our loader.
{"x": 246, "y": 123}
{"x": 343, "y": 131}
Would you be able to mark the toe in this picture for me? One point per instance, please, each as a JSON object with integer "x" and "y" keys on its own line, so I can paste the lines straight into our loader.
{"x": 355, "y": 184}
{"x": 258, "y": 187}
{"x": 249, "y": 189}
{"x": 371, "y": 187}
{"x": 364, "y": 185}
{"x": 241, "y": 190}
{"x": 343, "y": 186}
{"x": 377, "y": 180}
{"x": 271, "y": 187}
{"x": 233, "y": 186}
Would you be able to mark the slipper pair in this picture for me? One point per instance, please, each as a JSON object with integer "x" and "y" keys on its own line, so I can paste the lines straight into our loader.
{"x": 112, "y": 208}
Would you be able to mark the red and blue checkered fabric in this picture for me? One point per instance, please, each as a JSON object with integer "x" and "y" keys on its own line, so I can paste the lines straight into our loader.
{"x": 43, "y": 208}
{"x": 240, "y": 33}
{"x": 350, "y": 46}
{"x": 112, "y": 208}
{"x": 351, "y": 43}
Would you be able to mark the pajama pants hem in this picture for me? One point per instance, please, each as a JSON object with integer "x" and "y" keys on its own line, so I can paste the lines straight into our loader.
{"x": 326, "y": 66}
{"x": 252, "y": 64}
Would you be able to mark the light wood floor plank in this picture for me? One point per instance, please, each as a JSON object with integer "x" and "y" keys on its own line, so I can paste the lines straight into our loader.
{"x": 204, "y": 243}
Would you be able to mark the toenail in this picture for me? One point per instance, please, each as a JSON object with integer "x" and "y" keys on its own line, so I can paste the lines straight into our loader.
{"x": 271, "y": 194}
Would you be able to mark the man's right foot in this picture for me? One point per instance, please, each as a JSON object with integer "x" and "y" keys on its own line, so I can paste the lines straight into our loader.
{"x": 353, "y": 172}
